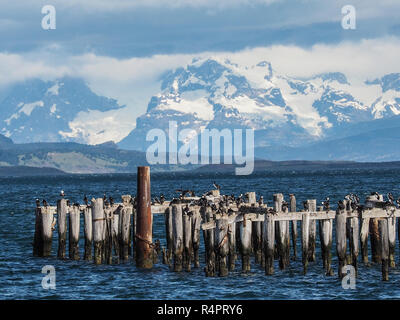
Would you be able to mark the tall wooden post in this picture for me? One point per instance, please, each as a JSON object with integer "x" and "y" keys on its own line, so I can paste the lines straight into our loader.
{"x": 392, "y": 240}
{"x": 305, "y": 238}
{"x": 177, "y": 229}
{"x": 62, "y": 210}
{"x": 341, "y": 239}
{"x": 245, "y": 242}
{"x": 47, "y": 219}
{"x": 222, "y": 245}
{"x": 269, "y": 243}
{"x": 364, "y": 239}
{"x": 144, "y": 220}
{"x": 383, "y": 230}
{"x": 294, "y": 225}
{"x": 98, "y": 226}
{"x": 74, "y": 226}
{"x": 87, "y": 212}
{"x": 196, "y": 224}
{"x": 312, "y": 207}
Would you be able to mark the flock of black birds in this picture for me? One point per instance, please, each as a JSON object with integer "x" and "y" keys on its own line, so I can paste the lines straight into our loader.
{"x": 352, "y": 201}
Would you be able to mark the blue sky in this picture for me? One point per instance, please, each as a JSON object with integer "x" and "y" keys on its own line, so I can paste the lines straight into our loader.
{"x": 122, "y": 47}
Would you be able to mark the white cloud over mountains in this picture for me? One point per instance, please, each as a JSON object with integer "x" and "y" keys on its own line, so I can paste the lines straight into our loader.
{"x": 133, "y": 81}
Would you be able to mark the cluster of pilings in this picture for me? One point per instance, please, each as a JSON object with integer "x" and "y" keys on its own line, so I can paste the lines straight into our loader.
{"x": 253, "y": 229}
{"x": 231, "y": 228}
{"x": 111, "y": 230}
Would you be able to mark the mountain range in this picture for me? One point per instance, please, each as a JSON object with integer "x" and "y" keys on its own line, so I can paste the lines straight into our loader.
{"x": 323, "y": 117}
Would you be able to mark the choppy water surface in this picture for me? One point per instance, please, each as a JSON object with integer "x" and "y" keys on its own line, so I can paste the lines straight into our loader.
{"x": 20, "y": 273}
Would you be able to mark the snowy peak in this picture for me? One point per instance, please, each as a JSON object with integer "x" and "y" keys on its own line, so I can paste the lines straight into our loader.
{"x": 37, "y": 110}
{"x": 219, "y": 93}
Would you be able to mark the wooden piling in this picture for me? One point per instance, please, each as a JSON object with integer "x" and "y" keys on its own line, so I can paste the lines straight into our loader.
{"x": 177, "y": 227}
{"x": 312, "y": 206}
{"x": 341, "y": 240}
{"x": 98, "y": 229}
{"x": 245, "y": 242}
{"x": 116, "y": 227}
{"x": 294, "y": 225}
{"x": 196, "y": 225}
{"x": 222, "y": 245}
{"x": 325, "y": 227}
{"x": 392, "y": 240}
{"x": 125, "y": 228}
{"x": 354, "y": 241}
{"x": 257, "y": 241}
{"x": 62, "y": 211}
{"x": 364, "y": 239}
{"x": 37, "y": 239}
{"x": 88, "y": 232}
{"x": 282, "y": 234}
{"x": 384, "y": 240}
{"x": 305, "y": 238}
{"x": 269, "y": 243}
{"x": 169, "y": 235}
{"x": 108, "y": 235}
{"x": 47, "y": 222}
{"x": 74, "y": 224}
{"x": 144, "y": 220}
{"x": 187, "y": 241}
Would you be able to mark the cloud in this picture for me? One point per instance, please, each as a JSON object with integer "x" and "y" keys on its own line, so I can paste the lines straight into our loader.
{"x": 133, "y": 81}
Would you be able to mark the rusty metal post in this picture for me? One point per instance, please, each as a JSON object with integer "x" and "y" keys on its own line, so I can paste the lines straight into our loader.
{"x": 144, "y": 228}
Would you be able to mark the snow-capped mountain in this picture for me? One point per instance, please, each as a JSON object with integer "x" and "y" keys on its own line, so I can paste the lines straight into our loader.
{"x": 217, "y": 93}
{"x": 52, "y": 111}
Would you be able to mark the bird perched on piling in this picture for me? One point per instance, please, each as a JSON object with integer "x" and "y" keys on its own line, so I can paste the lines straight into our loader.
{"x": 162, "y": 198}
{"x": 326, "y": 204}
{"x": 398, "y": 202}
{"x": 104, "y": 198}
{"x": 111, "y": 200}
{"x": 285, "y": 206}
{"x": 390, "y": 197}
{"x": 341, "y": 205}
{"x": 85, "y": 200}
{"x": 376, "y": 194}
{"x": 45, "y": 203}
{"x": 68, "y": 203}
{"x": 37, "y": 203}
{"x": 216, "y": 186}
{"x": 305, "y": 205}
{"x": 62, "y": 194}
{"x": 261, "y": 201}
{"x": 156, "y": 200}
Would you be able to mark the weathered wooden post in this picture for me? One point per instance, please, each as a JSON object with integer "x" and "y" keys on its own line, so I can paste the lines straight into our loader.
{"x": 294, "y": 224}
{"x": 88, "y": 232}
{"x": 196, "y": 224}
{"x": 245, "y": 242}
{"x": 74, "y": 224}
{"x": 383, "y": 230}
{"x": 305, "y": 238}
{"x": 125, "y": 227}
{"x": 232, "y": 244}
{"x": 222, "y": 245}
{"x": 312, "y": 207}
{"x": 37, "y": 239}
{"x": 325, "y": 227}
{"x": 62, "y": 210}
{"x": 257, "y": 241}
{"x": 108, "y": 234}
{"x": 116, "y": 227}
{"x": 341, "y": 239}
{"x": 282, "y": 234}
{"x": 269, "y": 243}
{"x": 353, "y": 241}
{"x": 47, "y": 222}
{"x": 98, "y": 227}
{"x": 144, "y": 220}
{"x": 187, "y": 241}
{"x": 374, "y": 231}
{"x": 169, "y": 235}
{"x": 392, "y": 240}
{"x": 364, "y": 239}
{"x": 177, "y": 227}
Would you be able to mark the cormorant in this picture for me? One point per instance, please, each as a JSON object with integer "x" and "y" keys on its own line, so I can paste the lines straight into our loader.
{"x": 305, "y": 205}
{"x": 45, "y": 203}
{"x": 341, "y": 205}
{"x": 390, "y": 197}
{"x": 37, "y": 203}
{"x": 85, "y": 200}
{"x": 162, "y": 199}
{"x": 111, "y": 200}
{"x": 216, "y": 186}
{"x": 326, "y": 204}
{"x": 62, "y": 194}
{"x": 261, "y": 200}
